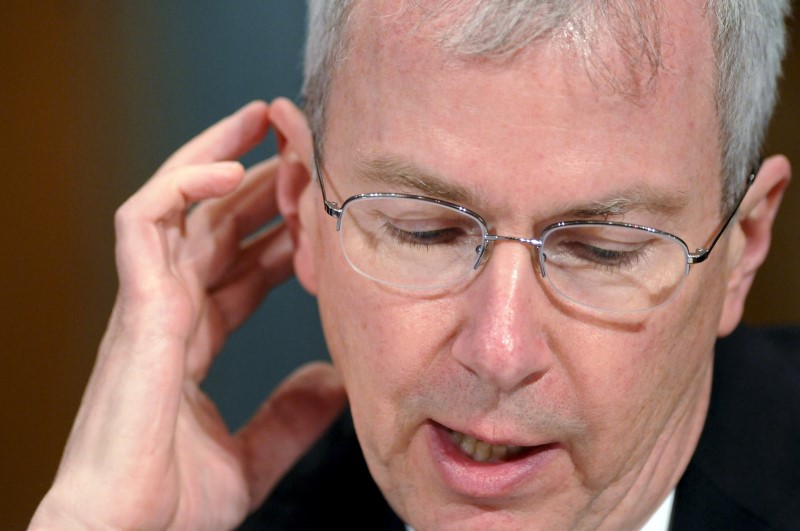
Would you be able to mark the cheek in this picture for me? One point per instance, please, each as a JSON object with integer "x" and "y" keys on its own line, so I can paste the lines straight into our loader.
{"x": 632, "y": 385}
{"x": 384, "y": 346}
{"x": 383, "y": 343}
{"x": 379, "y": 341}
{"x": 619, "y": 386}
{"x": 379, "y": 338}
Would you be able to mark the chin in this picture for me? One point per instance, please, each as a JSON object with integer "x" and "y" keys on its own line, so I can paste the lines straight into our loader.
{"x": 468, "y": 517}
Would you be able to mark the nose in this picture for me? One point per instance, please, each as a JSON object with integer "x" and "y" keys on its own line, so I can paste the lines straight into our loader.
{"x": 504, "y": 341}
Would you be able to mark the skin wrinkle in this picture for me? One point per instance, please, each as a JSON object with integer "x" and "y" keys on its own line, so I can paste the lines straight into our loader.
{"x": 685, "y": 404}
{"x": 658, "y": 453}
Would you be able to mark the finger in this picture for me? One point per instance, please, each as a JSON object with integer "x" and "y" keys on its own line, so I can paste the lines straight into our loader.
{"x": 268, "y": 255}
{"x": 153, "y": 316}
{"x": 226, "y": 222}
{"x": 141, "y": 221}
{"x": 247, "y": 209}
{"x": 228, "y": 139}
{"x": 263, "y": 264}
{"x": 254, "y": 202}
{"x": 291, "y": 420}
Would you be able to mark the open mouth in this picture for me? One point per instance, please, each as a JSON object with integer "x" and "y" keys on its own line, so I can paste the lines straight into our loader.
{"x": 486, "y": 470}
{"x": 485, "y": 452}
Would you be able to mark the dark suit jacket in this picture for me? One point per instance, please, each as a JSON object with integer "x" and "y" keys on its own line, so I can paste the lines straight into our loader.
{"x": 744, "y": 475}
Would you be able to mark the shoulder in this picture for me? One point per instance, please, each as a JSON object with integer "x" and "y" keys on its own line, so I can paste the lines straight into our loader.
{"x": 748, "y": 459}
{"x": 755, "y": 397}
{"x": 767, "y": 355}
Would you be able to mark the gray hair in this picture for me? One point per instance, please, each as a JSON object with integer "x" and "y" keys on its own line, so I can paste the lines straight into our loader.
{"x": 749, "y": 41}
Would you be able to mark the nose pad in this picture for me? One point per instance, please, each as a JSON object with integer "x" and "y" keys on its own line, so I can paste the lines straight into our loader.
{"x": 541, "y": 263}
{"x": 483, "y": 252}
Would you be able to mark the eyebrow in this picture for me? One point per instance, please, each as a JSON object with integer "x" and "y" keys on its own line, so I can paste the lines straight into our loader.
{"x": 639, "y": 197}
{"x": 392, "y": 171}
{"x": 642, "y": 197}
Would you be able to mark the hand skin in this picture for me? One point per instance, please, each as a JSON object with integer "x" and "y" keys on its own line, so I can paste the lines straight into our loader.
{"x": 148, "y": 449}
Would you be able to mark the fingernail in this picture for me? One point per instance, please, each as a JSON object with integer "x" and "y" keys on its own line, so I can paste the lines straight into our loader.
{"x": 230, "y": 166}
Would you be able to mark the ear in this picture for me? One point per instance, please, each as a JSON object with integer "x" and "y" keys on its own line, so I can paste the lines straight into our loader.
{"x": 751, "y": 236}
{"x": 295, "y": 184}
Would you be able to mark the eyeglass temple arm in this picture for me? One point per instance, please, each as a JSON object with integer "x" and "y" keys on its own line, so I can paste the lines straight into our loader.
{"x": 331, "y": 207}
{"x": 700, "y": 255}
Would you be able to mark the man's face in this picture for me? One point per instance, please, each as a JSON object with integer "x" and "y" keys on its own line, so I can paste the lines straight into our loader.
{"x": 607, "y": 407}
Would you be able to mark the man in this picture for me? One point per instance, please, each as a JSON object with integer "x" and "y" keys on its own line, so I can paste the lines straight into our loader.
{"x": 526, "y": 224}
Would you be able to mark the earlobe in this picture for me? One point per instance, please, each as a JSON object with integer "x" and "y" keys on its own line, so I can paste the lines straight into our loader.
{"x": 751, "y": 236}
{"x": 294, "y": 185}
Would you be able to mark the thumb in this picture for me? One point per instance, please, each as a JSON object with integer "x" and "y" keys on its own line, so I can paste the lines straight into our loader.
{"x": 303, "y": 406}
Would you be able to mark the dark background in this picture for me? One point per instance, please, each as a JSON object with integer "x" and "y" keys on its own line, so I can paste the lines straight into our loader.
{"x": 93, "y": 96}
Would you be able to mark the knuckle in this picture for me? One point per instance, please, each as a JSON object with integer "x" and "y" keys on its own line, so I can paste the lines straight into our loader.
{"x": 126, "y": 214}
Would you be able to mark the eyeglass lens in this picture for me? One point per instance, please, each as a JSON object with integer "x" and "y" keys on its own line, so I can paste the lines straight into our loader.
{"x": 419, "y": 244}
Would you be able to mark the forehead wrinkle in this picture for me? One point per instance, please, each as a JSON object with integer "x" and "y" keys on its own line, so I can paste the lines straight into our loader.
{"x": 396, "y": 172}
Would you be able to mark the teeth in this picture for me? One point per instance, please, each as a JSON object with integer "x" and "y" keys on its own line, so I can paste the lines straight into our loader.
{"x": 468, "y": 445}
{"x": 482, "y": 451}
{"x": 499, "y": 452}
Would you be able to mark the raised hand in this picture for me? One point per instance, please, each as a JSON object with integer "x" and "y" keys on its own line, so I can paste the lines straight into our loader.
{"x": 148, "y": 449}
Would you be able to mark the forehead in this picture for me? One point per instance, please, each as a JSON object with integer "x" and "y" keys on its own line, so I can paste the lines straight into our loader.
{"x": 625, "y": 42}
{"x": 498, "y": 28}
{"x": 559, "y": 100}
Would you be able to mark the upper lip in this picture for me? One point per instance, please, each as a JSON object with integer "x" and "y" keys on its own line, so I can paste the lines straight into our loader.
{"x": 494, "y": 433}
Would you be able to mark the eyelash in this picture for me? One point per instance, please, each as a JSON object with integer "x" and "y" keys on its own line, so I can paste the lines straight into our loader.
{"x": 421, "y": 239}
{"x": 608, "y": 259}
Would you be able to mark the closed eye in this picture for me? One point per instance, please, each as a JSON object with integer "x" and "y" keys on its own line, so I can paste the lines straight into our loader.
{"x": 423, "y": 237}
{"x": 607, "y": 257}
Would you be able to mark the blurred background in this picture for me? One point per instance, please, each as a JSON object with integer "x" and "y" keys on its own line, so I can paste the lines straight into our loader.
{"x": 93, "y": 96}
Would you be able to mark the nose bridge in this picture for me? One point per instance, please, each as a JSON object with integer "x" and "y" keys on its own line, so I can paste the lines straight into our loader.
{"x": 504, "y": 342}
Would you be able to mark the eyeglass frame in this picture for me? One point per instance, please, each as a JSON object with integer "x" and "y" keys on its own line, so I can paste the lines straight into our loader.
{"x": 700, "y": 255}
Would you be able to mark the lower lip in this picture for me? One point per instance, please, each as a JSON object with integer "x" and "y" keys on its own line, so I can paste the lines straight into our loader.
{"x": 484, "y": 480}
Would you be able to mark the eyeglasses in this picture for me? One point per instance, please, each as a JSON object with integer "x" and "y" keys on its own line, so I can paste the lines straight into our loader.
{"x": 417, "y": 243}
